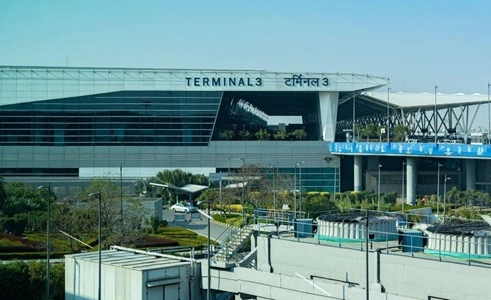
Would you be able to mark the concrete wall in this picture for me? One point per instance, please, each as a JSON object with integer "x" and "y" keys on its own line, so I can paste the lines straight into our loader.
{"x": 399, "y": 274}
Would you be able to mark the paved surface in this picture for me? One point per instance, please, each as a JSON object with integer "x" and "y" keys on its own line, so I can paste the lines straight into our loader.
{"x": 217, "y": 232}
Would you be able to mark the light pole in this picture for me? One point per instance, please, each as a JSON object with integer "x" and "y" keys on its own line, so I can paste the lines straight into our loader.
{"x": 367, "y": 297}
{"x": 295, "y": 192}
{"x": 209, "y": 249}
{"x": 48, "y": 236}
{"x": 438, "y": 190}
{"x": 445, "y": 194}
{"x": 274, "y": 191}
{"x": 121, "y": 198}
{"x": 403, "y": 181}
{"x": 436, "y": 131}
{"x": 99, "y": 196}
{"x": 378, "y": 187}
{"x": 388, "y": 115}
{"x": 300, "y": 182}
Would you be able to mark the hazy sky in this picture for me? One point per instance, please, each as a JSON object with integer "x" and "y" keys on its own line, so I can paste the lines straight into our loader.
{"x": 418, "y": 44}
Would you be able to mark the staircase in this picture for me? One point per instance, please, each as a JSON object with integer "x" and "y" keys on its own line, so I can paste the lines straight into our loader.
{"x": 231, "y": 246}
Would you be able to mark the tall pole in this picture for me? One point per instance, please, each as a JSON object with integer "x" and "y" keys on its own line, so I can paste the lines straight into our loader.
{"x": 295, "y": 193}
{"x": 366, "y": 257}
{"x": 403, "y": 186}
{"x": 100, "y": 249}
{"x": 378, "y": 187}
{"x": 48, "y": 236}
{"x": 388, "y": 115}
{"x": 121, "y": 198}
{"x": 209, "y": 258}
{"x": 300, "y": 183}
{"x": 354, "y": 120}
{"x": 99, "y": 196}
{"x": 438, "y": 190}
{"x": 436, "y": 130}
{"x": 48, "y": 240}
{"x": 274, "y": 190}
{"x": 445, "y": 195}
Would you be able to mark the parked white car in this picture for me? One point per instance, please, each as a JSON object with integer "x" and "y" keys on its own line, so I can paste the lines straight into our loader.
{"x": 179, "y": 207}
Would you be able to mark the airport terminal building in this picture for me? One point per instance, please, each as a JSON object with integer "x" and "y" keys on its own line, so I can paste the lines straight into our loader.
{"x": 61, "y": 124}
{"x": 67, "y": 125}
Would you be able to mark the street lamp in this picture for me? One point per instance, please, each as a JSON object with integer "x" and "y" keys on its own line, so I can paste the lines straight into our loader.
{"x": 438, "y": 190}
{"x": 295, "y": 193}
{"x": 403, "y": 181}
{"x": 378, "y": 187}
{"x": 209, "y": 248}
{"x": 300, "y": 182}
{"x": 48, "y": 236}
{"x": 121, "y": 196}
{"x": 99, "y": 196}
{"x": 445, "y": 194}
{"x": 436, "y": 131}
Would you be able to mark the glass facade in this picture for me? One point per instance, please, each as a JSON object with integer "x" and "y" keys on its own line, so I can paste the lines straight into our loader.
{"x": 147, "y": 118}
{"x": 55, "y": 122}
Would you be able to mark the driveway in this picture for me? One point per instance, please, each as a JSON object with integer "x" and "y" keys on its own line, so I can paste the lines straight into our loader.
{"x": 217, "y": 232}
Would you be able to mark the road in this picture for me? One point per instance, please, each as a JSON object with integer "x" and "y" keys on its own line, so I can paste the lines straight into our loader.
{"x": 217, "y": 232}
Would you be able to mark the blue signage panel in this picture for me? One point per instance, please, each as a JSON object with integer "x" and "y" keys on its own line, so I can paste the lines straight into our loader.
{"x": 412, "y": 149}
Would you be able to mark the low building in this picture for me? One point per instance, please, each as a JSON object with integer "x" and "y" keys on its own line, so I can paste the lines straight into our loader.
{"x": 131, "y": 274}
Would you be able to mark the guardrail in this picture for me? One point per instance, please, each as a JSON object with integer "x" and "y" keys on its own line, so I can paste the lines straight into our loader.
{"x": 407, "y": 242}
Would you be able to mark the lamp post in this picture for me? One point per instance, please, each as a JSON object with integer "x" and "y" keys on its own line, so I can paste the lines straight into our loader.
{"x": 366, "y": 257}
{"x": 403, "y": 181}
{"x": 121, "y": 198}
{"x": 274, "y": 191}
{"x": 48, "y": 236}
{"x": 209, "y": 249}
{"x": 438, "y": 190}
{"x": 295, "y": 192}
{"x": 388, "y": 115}
{"x": 378, "y": 187}
{"x": 99, "y": 196}
{"x": 436, "y": 131}
{"x": 300, "y": 182}
{"x": 445, "y": 194}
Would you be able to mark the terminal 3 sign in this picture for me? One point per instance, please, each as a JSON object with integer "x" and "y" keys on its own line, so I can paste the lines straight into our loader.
{"x": 296, "y": 80}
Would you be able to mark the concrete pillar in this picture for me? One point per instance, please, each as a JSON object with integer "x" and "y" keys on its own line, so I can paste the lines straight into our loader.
{"x": 358, "y": 171}
{"x": 470, "y": 174}
{"x": 412, "y": 179}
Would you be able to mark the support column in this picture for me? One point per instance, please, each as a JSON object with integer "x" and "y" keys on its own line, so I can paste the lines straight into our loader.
{"x": 358, "y": 171}
{"x": 412, "y": 179}
{"x": 470, "y": 174}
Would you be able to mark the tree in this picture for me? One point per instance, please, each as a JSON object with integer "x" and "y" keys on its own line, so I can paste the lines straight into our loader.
{"x": 80, "y": 218}
{"x": 298, "y": 134}
{"x": 400, "y": 132}
{"x": 263, "y": 135}
{"x": 226, "y": 134}
{"x": 370, "y": 131}
{"x": 244, "y": 134}
{"x": 280, "y": 135}
{"x": 358, "y": 131}
{"x": 178, "y": 178}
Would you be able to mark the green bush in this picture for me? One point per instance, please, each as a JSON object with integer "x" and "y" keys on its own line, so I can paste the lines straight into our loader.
{"x": 220, "y": 218}
{"x": 26, "y": 280}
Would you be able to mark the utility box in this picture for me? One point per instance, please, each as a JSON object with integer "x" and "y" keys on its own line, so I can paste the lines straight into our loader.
{"x": 303, "y": 228}
{"x": 412, "y": 240}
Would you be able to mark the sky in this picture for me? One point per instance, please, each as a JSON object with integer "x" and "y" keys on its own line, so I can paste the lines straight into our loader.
{"x": 417, "y": 44}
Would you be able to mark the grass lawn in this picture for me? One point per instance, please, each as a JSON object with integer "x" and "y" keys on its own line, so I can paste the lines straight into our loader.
{"x": 33, "y": 245}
